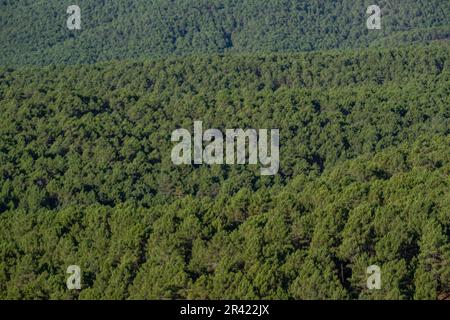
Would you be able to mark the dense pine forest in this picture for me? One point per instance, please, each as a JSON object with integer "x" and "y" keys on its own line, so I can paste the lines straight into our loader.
{"x": 86, "y": 176}
{"x": 34, "y": 32}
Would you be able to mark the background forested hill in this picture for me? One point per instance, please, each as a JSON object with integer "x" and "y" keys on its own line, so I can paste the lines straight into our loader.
{"x": 34, "y": 32}
{"x": 86, "y": 177}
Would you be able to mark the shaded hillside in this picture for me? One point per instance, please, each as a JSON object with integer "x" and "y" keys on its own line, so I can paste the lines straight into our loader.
{"x": 35, "y": 32}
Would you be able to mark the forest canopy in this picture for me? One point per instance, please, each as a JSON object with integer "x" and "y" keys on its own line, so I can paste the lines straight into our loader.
{"x": 35, "y": 32}
{"x": 86, "y": 177}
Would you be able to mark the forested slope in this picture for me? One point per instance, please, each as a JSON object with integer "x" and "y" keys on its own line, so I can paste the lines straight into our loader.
{"x": 86, "y": 177}
{"x": 35, "y": 32}
{"x": 101, "y": 134}
{"x": 312, "y": 239}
